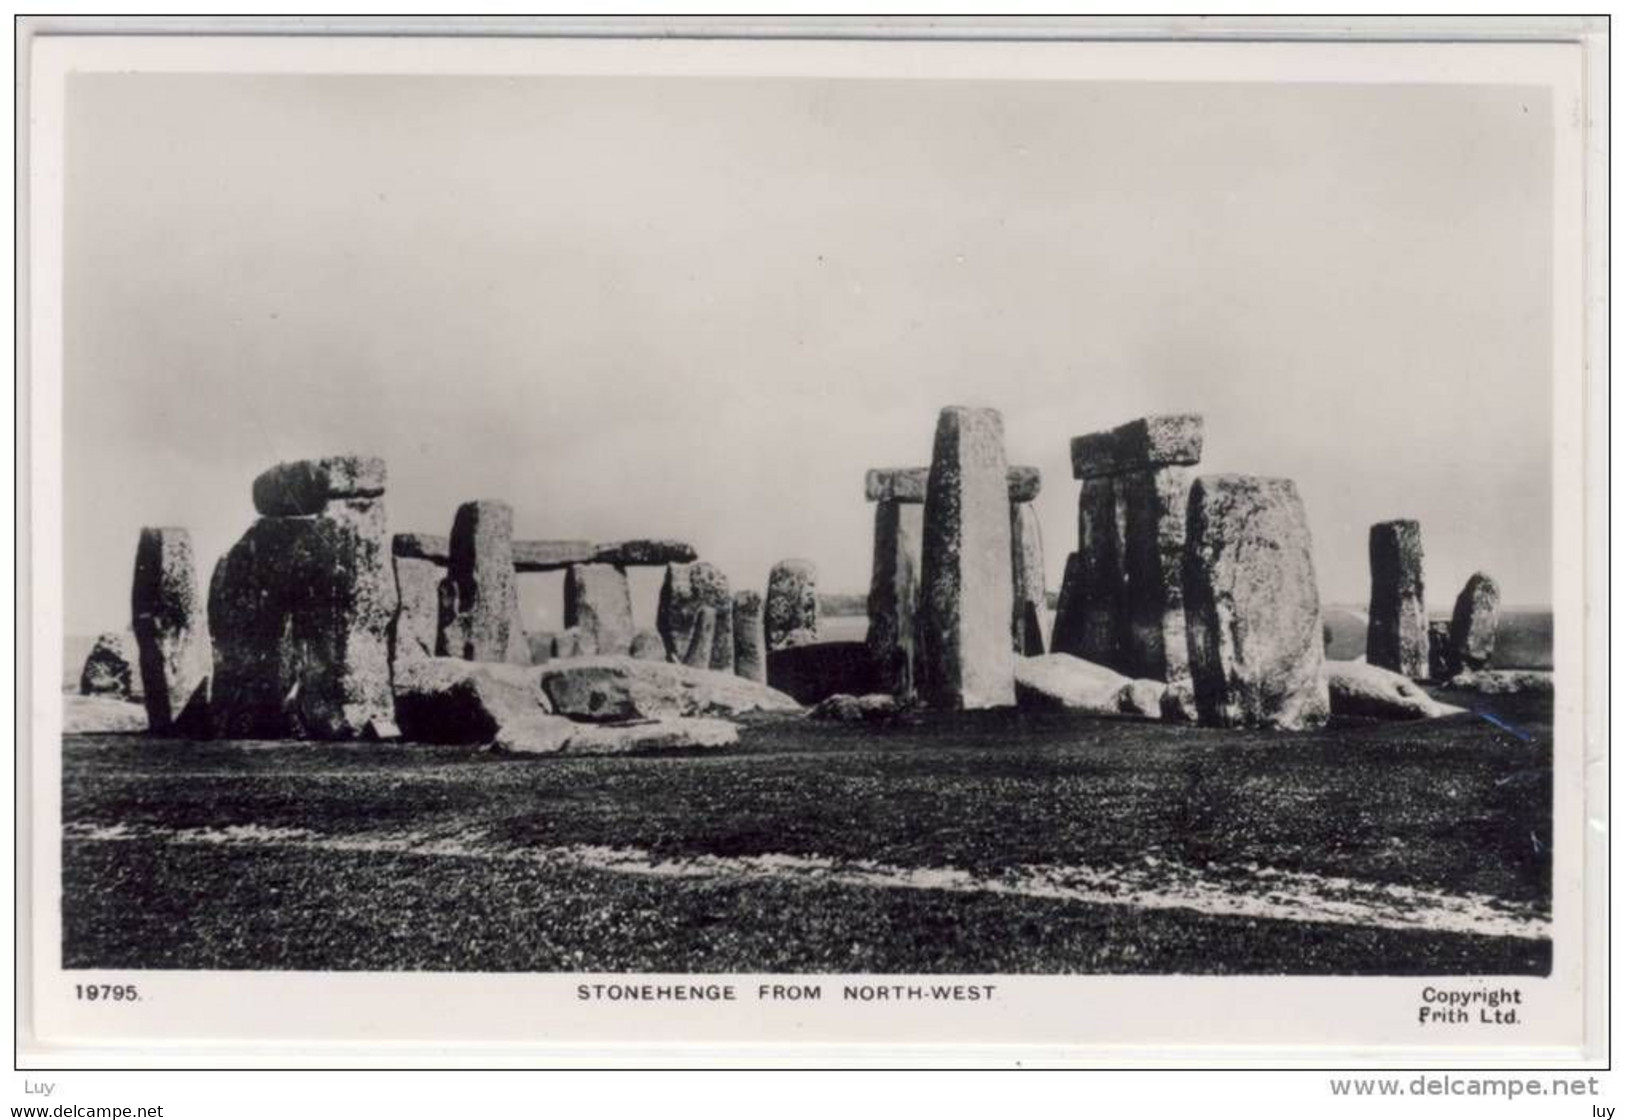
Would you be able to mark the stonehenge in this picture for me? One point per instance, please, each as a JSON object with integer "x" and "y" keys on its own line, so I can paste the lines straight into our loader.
{"x": 1123, "y": 597}
{"x": 166, "y": 616}
{"x": 598, "y": 600}
{"x": 966, "y": 590}
{"x": 790, "y": 612}
{"x": 750, "y": 637}
{"x": 899, "y": 497}
{"x": 1397, "y": 634}
{"x": 1253, "y": 608}
{"x": 479, "y": 595}
{"x": 695, "y": 616}
{"x": 301, "y": 608}
{"x": 1473, "y": 623}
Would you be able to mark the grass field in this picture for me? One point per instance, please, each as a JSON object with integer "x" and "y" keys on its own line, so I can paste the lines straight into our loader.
{"x": 996, "y": 842}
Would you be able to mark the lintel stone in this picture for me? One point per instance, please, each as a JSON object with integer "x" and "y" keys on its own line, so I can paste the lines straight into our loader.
{"x": 1151, "y": 441}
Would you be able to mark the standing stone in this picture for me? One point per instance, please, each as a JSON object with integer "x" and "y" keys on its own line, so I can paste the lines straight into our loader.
{"x": 750, "y": 639}
{"x": 1442, "y": 663}
{"x": 167, "y": 618}
{"x": 1396, "y": 637}
{"x": 689, "y": 590}
{"x": 1152, "y": 508}
{"x": 301, "y": 609}
{"x": 1253, "y": 608}
{"x": 792, "y": 601}
{"x": 701, "y": 639}
{"x": 894, "y": 591}
{"x": 965, "y": 583}
{"x": 598, "y": 599}
{"x": 112, "y": 667}
{"x": 480, "y": 594}
{"x": 648, "y": 645}
{"x": 1096, "y": 623}
{"x": 518, "y": 645}
{"x": 1067, "y": 632}
{"x": 417, "y": 619}
{"x": 1027, "y": 579}
{"x": 1472, "y": 626}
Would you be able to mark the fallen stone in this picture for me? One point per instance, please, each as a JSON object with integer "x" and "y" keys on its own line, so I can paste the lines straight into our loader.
{"x": 1061, "y": 681}
{"x": 965, "y": 659}
{"x": 1144, "y": 698}
{"x": 301, "y": 609}
{"x": 908, "y": 484}
{"x": 480, "y": 594}
{"x": 1252, "y": 605}
{"x": 1027, "y": 579}
{"x": 792, "y": 601}
{"x": 894, "y": 591}
{"x": 598, "y": 600}
{"x": 1472, "y": 626}
{"x": 102, "y": 715}
{"x": 812, "y": 671}
{"x": 1502, "y": 682}
{"x": 655, "y": 735}
{"x": 304, "y": 487}
{"x": 172, "y": 641}
{"x": 534, "y": 733}
{"x": 750, "y": 637}
{"x": 685, "y": 595}
{"x": 1370, "y": 691}
{"x": 1152, "y": 441}
{"x": 112, "y": 668}
{"x": 648, "y": 645}
{"x": 1397, "y": 634}
{"x": 878, "y": 707}
{"x": 449, "y": 700}
{"x": 605, "y": 689}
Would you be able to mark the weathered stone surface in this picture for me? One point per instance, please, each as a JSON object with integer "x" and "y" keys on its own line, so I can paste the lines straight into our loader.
{"x": 648, "y": 736}
{"x": 648, "y": 645}
{"x": 894, "y": 592}
{"x": 908, "y": 484}
{"x": 750, "y": 637}
{"x": 304, "y": 487}
{"x": 1252, "y": 605}
{"x": 1501, "y": 682}
{"x": 1027, "y": 579}
{"x": 1357, "y": 688}
{"x": 166, "y": 608}
{"x": 1144, "y": 698}
{"x": 1442, "y": 663}
{"x": 423, "y": 546}
{"x": 598, "y": 599}
{"x": 618, "y": 688}
{"x": 1150, "y": 524}
{"x": 965, "y": 586}
{"x": 1152, "y": 441}
{"x": 1396, "y": 636}
{"x": 1472, "y": 626}
{"x": 572, "y": 642}
{"x": 1062, "y": 681}
{"x": 792, "y": 601}
{"x": 812, "y": 671}
{"x": 480, "y": 593}
{"x": 112, "y": 668}
{"x": 102, "y": 715}
{"x": 416, "y": 627}
{"x": 688, "y": 591}
{"x": 449, "y": 700}
{"x": 301, "y": 609}
{"x": 877, "y": 707}
{"x": 534, "y": 734}
{"x": 1092, "y": 617}
{"x": 549, "y": 556}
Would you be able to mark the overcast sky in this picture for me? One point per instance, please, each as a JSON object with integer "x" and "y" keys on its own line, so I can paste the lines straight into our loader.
{"x": 702, "y": 307}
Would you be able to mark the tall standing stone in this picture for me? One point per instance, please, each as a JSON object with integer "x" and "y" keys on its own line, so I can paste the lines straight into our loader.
{"x": 1473, "y": 624}
{"x": 966, "y": 588}
{"x": 480, "y": 594}
{"x": 792, "y": 602}
{"x": 894, "y": 589}
{"x": 1397, "y": 634}
{"x": 750, "y": 638}
{"x": 301, "y": 610}
{"x": 687, "y": 592}
{"x": 166, "y": 608}
{"x": 417, "y": 618}
{"x": 598, "y": 599}
{"x": 1253, "y": 608}
{"x": 1027, "y": 577}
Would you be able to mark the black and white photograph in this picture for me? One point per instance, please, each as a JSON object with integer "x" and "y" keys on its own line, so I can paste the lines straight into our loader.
{"x": 925, "y": 529}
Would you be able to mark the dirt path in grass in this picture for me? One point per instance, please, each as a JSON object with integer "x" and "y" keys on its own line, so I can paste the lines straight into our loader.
{"x": 1236, "y": 891}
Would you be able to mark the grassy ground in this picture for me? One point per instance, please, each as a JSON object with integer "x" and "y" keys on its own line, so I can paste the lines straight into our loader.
{"x": 1452, "y": 806}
